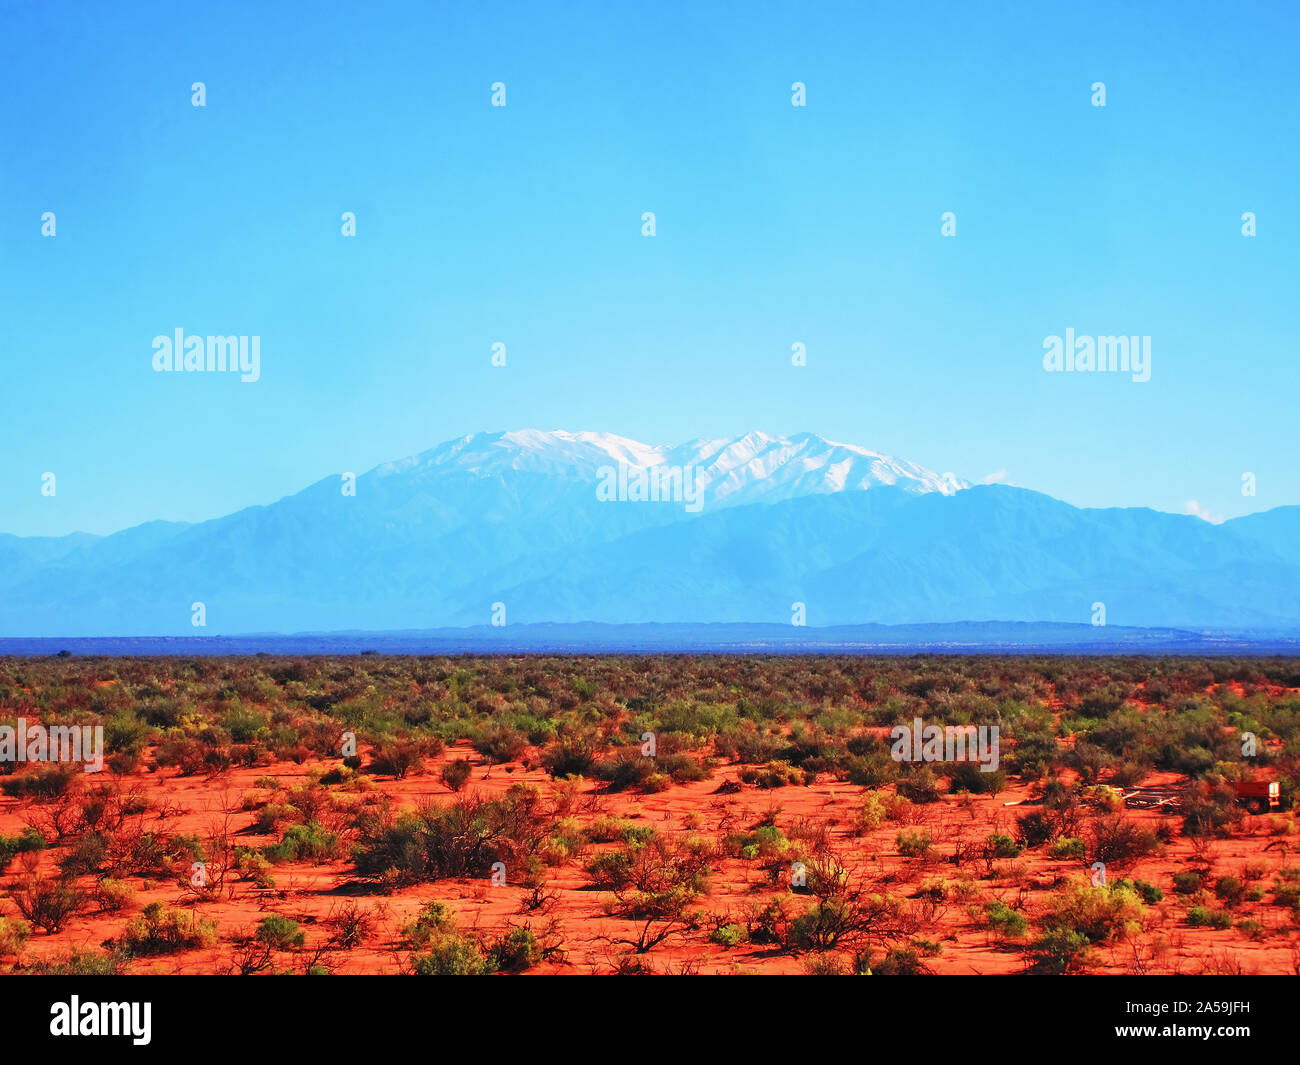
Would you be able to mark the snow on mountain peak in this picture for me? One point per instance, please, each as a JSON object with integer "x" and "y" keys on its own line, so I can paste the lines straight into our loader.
{"x": 755, "y": 467}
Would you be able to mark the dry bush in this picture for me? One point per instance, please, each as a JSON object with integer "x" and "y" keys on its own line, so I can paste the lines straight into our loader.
{"x": 47, "y": 903}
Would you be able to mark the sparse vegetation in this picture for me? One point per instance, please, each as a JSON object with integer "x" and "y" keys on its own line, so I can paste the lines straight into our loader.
{"x": 790, "y": 800}
{"x": 160, "y": 929}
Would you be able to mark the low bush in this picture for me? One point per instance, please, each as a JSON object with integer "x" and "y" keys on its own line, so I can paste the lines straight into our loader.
{"x": 79, "y": 963}
{"x": 517, "y": 950}
{"x": 300, "y": 842}
{"x": 279, "y": 933}
{"x": 728, "y": 935}
{"x": 42, "y": 783}
{"x": 26, "y": 841}
{"x": 1006, "y": 922}
{"x": 398, "y": 757}
{"x": 1100, "y": 914}
{"x": 433, "y": 919}
{"x": 775, "y": 775}
{"x": 47, "y": 903}
{"x": 1058, "y": 951}
{"x": 456, "y": 773}
{"x": 913, "y": 843}
{"x": 349, "y": 927}
{"x": 1067, "y": 848}
{"x": 869, "y": 815}
{"x": 1230, "y": 889}
{"x": 13, "y": 934}
{"x": 160, "y": 929}
{"x": 1204, "y": 917}
{"x": 501, "y": 744}
{"x": 997, "y": 846}
{"x": 1118, "y": 841}
{"x": 464, "y": 838}
{"x": 920, "y": 785}
{"x": 452, "y": 954}
{"x": 113, "y": 896}
{"x": 572, "y": 756}
{"x": 900, "y": 961}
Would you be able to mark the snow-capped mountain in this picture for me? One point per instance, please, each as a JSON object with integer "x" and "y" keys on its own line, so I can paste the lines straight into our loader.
{"x": 754, "y": 468}
{"x": 522, "y": 520}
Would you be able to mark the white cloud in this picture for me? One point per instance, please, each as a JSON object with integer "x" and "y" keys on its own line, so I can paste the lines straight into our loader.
{"x": 996, "y": 477}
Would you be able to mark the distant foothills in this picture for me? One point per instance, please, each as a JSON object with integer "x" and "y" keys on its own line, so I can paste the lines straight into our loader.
{"x": 557, "y": 540}
{"x": 1024, "y": 638}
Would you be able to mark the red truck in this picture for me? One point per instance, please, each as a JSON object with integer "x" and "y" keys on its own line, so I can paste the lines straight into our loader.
{"x": 1257, "y": 796}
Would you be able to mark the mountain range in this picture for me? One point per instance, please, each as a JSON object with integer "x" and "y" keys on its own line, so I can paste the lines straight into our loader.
{"x": 531, "y": 527}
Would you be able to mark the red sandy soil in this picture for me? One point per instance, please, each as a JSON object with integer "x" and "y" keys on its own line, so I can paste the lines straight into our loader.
{"x": 308, "y": 892}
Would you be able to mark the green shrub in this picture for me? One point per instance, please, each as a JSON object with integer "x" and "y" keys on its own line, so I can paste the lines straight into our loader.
{"x": 1097, "y": 913}
{"x": 1058, "y": 951}
{"x": 913, "y": 843}
{"x": 841, "y": 919}
{"x": 996, "y": 846}
{"x": 160, "y": 929}
{"x": 1006, "y": 922}
{"x": 501, "y": 744}
{"x": 243, "y": 724}
{"x": 113, "y": 896}
{"x": 280, "y": 933}
{"x": 517, "y": 950}
{"x": 968, "y": 776}
{"x": 766, "y": 841}
{"x": 10, "y": 846}
{"x": 775, "y": 774}
{"x": 728, "y": 935}
{"x": 452, "y": 954}
{"x": 85, "y": 856}
{"x": 1251, "y": 929}
{"x": 681, "y": 768}
{"x": 873, "y": 771}
{"x": 1036, "y": 828}
{"x": 1286, "y": 892}
{"x": 125, "y": 733}
{"x": 617, "y": 830}
{"x": 1149, "y": 892}
{"x": 1230, "y": 889}
{"x": 300, "y": 842}
{"x": 254, "y": 866}
{"x": 870, "y": 813}
{"x": 572, "y": 756}
{"x": 1204, "y": 917}
{"x": 13, "y": 934}
{"x": 434, "y": 918}
{"x": 1067, "y": 848}
{"x": 818, "y": 927}
{"x": 79, "y": 963}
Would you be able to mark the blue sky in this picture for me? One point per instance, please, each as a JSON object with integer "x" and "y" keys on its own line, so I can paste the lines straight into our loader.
{"x": 522, "y": 225}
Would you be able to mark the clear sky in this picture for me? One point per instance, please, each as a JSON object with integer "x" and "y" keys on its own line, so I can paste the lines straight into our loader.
{"x": 522, "y": 225}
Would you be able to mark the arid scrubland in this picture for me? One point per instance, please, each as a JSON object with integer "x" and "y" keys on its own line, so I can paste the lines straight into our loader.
{"x": 668, "y": 814}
